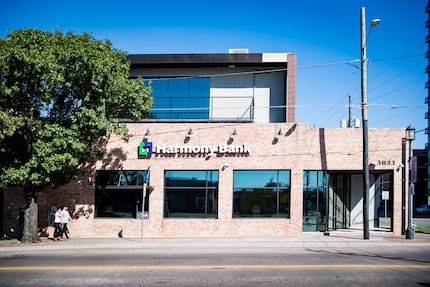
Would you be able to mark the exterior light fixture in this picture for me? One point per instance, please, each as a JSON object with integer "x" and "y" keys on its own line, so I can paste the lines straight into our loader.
{"x": 374, "y": 23}
{"x": 410, "y": 137}
{"x": 280, "y": 132}
{"x": 190, "y": 132}
{"x": 226, "y": 165}
{"x": 410, "y": 133}
{"x": 230, "y": 139}
{"x": 145, "y": 136}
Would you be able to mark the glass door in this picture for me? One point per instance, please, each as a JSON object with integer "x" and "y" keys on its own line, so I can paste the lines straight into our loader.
{"x": 338, "y": 201}
{"x": 326, "y": 201}
{"x": 314, "y": 201}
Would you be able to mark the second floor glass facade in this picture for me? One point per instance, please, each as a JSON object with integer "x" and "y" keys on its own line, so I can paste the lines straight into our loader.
{"x": 180, "y": 98}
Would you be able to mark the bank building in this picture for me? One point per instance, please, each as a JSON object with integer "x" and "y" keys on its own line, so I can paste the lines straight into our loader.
{"x": 222, "y": 155}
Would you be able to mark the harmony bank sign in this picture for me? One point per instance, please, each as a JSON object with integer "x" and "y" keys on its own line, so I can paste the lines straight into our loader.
{"x": 147, "y": 149}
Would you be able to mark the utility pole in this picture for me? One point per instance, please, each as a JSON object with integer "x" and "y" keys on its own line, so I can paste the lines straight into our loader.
{"x": 366, "y": 184}
{"x": 365, "y": 127}
{"x": 350, "y": 112}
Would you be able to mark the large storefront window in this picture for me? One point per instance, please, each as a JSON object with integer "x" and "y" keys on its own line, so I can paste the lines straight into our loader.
{"x": 191, "y": 194}
{"x": 261, "y": 193}
{"x": 119, "y": 193}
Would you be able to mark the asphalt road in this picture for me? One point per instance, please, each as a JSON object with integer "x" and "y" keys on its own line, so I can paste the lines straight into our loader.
{"x": 272, "y": 264}
{"x": 423, "y": 221}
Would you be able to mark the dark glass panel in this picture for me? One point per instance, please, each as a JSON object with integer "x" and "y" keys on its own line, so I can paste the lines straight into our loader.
{"x": 261, "y": 193}
{"x": 119, "y": 193}
{"x": 191, "y": 194}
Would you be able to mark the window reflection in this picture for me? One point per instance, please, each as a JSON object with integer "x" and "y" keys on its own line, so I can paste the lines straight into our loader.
{"x": 180, "y": 98}
{"x": 314, "y": 200}
{"x": 261, "y": 193}
{"x": 191, "y": 194}
{"x": 119, "y": 193}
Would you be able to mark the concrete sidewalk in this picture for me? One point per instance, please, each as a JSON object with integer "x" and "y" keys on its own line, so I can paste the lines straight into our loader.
{"x": 221, "y": 244}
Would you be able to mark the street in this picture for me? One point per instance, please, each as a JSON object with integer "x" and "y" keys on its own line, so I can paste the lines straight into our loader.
{"x": 422, "y": 221}
{"x": 260, "y": 262}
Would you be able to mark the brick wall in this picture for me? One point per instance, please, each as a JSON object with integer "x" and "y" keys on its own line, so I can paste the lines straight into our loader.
{"x": 298, "y": 148}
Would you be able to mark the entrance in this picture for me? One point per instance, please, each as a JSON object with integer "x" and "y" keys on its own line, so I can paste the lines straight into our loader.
{"x": 339, "y": 201}
{"x": 332, "y": 200}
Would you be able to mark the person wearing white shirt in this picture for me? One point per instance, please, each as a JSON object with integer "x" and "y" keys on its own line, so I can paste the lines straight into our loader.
{"x": 64, "y": 220}
{"x": 58, "y": 233}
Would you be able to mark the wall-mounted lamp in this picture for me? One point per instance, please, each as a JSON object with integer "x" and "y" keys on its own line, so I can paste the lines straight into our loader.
{"x": 400, "y": 166}
{"x": 188, "y": 136}
{"x": 145, "y": 136}
{"x": 225, "y": 165}
{"x": 277, "y": 134}
{"x": 230, "y": 139}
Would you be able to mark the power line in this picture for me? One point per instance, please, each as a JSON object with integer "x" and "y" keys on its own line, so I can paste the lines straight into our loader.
{"x": 397, "y": 89}
{"x": 269, "y": 70}
{"x": 399, "y": 59}
{"x": 356, "y": 106}
{"x": 396, "y": 76}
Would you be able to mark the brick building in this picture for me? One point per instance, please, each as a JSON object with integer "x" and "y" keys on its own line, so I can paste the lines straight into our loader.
{"x": 223, "y": 156}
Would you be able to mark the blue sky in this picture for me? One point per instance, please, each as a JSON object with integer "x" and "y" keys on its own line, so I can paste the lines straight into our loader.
{"x": 325, "y": 35}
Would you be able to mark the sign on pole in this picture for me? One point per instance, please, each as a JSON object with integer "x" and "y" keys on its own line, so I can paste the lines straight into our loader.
{"x": 414, "y": 170}
{"x": 385, "y": 195}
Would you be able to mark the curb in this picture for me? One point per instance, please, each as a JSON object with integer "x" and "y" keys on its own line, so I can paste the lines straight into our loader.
{"x": 216, "y": 244}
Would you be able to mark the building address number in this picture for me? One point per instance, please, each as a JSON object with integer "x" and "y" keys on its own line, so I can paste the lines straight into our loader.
{"x": 386, "y": 162}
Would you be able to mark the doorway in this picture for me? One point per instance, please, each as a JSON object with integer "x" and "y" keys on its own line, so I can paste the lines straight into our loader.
{"x": 332, "y": 200}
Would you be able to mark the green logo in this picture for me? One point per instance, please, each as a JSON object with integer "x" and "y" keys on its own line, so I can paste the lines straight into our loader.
{"x": 145, "y": 149}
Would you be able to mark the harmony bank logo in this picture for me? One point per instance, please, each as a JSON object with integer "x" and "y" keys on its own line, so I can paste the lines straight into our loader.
{"x": 145, "y": 149}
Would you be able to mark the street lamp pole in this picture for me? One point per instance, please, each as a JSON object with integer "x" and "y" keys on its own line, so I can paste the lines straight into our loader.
{"x": 410, "y": 137}
{"x": 366, "y": 185}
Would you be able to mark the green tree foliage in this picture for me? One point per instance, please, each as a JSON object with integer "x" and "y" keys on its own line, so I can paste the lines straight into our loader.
{"x": 59, "y": 94}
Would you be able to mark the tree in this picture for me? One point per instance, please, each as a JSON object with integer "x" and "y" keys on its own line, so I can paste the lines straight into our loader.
{"x": 59, "y": 95}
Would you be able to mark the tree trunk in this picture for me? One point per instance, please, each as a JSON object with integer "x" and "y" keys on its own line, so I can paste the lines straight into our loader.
{"x": 30, "y": 232}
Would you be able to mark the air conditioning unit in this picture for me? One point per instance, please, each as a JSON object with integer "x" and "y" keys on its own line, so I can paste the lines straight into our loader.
{"x": 238, "y": 51}
{"x": 357, "y": 123}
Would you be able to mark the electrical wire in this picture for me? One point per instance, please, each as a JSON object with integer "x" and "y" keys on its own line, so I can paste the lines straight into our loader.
{"x": 333, "y": 106}
{"x": 268, "y": 70}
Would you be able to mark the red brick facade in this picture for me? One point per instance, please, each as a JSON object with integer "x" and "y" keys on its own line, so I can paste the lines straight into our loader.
{"x": 296, "y": 148}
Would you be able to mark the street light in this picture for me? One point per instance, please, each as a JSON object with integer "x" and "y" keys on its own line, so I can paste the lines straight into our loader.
{"x": 364, "y": 120}
{"x": 410, "y": 137}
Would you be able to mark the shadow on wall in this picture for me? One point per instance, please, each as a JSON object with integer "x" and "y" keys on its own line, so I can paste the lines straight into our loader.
{"x": 323, "y": 149}
{"x": 82, "y": 212}
{"x": 78, "y": 195}
{"x": 114, "y": 159}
